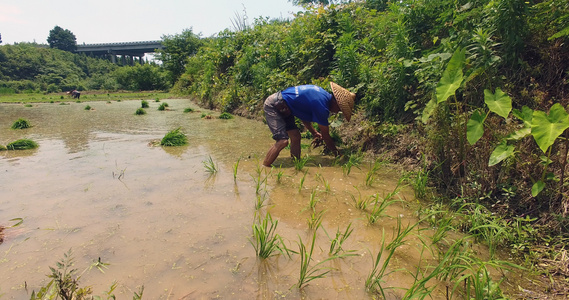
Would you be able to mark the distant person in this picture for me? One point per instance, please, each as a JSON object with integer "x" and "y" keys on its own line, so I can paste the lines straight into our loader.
{"x": 309, "y": 103}
{"x": 75, "y": 94}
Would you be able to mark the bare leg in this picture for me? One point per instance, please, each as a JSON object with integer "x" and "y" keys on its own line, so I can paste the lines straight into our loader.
{"x": 295, "y": 137}
{"x": 274, "y": 151}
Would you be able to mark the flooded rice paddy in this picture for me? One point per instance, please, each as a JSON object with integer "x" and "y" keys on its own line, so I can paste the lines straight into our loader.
{"x": 99, "y": 186}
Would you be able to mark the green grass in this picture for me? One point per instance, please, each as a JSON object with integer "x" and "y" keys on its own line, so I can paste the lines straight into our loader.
{"x": 93, "y": 96}
{"x": 21, "y": 124}
{"x": 22, "y": 144}
{"x": 174, "y": 138}
{"x": 226, "y": 116}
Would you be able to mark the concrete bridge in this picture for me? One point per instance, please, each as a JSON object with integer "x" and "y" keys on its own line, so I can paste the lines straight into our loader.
{"x": 127, "y": 50}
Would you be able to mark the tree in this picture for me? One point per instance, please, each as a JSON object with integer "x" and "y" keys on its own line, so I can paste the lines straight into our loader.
{"x": 62, "y": 39}
{"x": 177, "y": 49}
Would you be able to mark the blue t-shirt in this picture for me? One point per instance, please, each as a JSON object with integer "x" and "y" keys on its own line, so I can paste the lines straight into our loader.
{"x": 309, "y": 103}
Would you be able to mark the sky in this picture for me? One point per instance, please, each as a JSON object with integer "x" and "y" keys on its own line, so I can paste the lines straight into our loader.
{"x": 106, "y": 21}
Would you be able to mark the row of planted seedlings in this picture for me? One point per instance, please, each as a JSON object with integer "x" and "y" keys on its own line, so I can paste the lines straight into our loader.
{"x": 449, "y": 263}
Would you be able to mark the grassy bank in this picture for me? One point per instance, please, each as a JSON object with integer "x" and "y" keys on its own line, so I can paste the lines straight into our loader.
{"x": 85, "y": 96}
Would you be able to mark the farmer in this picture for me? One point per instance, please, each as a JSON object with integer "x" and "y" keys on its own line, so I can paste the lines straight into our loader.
{"x": 75, "y": 94}
{"x": 309, "y": 103}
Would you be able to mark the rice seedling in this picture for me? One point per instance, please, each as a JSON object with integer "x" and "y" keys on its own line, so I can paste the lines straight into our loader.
{"x": 337, "y": 242}
{"x": 235, "y": 167}
{"x": 354, "y": 160}
{"x": 3, "y": 148}
{"x": 315, "y": 219}
{"x": 309, "y": 273}
{"x": 266, "y": 241}
{"x": 299, "y": 163}
{"x": 313, "y": 201}
{"x": 140, "y": 111}
{"x": 260, "y": 180}
{"x": 280, "y": 174}
{"x": 327, "y": 188}
{"x": 144, "y": 104}
{"x": 379, "y": 207}
{"x": 359, "y": 203}
{"x": 174, "y": 138}
{"x": 163, "y": 106}
{"x": 371, "y": 173}
{"x": 209, "y": 165}
{"x": 188, "y": 110}
{"x": 22, "y": 144}
{"x": 260, "y": 201}
{"x": 226, "y": 116}
{"x": 87, "y": 107}
{"x": 21, "y": 124}
{"x": 157, "y": 100}
{"x": 302, "y": 181}
{"x": 374, "y": 282}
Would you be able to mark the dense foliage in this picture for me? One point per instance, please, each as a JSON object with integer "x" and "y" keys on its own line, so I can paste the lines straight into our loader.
{"x": 29, "y": 67}
{"x": 394, "y": 55}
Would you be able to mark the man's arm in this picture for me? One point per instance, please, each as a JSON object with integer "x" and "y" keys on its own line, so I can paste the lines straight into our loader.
{"x": 325, "y": 133}
{"x": 310, "y": 128}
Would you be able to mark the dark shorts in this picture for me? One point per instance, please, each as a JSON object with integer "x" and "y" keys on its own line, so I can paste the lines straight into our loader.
{"x": 278, "y": 116}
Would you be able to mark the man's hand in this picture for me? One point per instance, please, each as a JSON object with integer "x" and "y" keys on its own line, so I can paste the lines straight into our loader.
{"x": 317, "y": 142}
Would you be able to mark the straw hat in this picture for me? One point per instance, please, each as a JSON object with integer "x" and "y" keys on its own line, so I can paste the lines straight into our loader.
{"x": 345, "y": 99}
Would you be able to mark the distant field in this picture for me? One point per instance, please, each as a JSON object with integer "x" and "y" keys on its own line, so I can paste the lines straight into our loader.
{"x": 85, "y": 96}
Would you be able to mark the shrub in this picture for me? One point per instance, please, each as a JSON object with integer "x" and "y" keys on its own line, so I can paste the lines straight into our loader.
{"x": 174, "y": 138}
{"x": 22, "y": 144}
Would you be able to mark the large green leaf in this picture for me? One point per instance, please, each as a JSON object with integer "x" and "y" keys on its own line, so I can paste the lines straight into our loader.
{"x": 537, "y": 188}
{"x": 545, "y": 128}
{"x": 428, "y": 110}
{"x": 501, "y": 152}
{"x": 499, "y": 103}
{"x": 475, "y": 127}
{"x": 452, "y": 76}
{"x": 526, "y": 115}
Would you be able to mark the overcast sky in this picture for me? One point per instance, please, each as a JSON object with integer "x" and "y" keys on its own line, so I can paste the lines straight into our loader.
{"x": 101, "y": 21}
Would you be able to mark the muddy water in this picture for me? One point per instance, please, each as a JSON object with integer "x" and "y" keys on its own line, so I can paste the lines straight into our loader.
{"x": 96, "y": 185}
